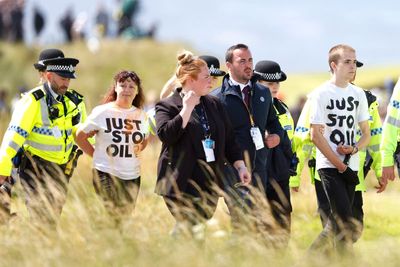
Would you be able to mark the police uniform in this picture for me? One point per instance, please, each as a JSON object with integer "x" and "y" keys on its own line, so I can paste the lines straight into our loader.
{"x": 391, "y": 129}
{"x": 42, "y": 128}
{"x": 280, "y": 158}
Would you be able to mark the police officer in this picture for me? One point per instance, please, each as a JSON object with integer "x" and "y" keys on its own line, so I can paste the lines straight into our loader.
{"x": 269, "y": 74}
{"x": 43, "y": 128}
{"x": 391, "y": 134}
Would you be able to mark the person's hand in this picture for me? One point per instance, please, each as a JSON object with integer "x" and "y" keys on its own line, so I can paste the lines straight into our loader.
{"x": 191, "y": 99}
{"x": 382, "y": 185}
{"x": 92, "y": 133}
{"x": 344, "y": 149}
{"x": 342, "y": 168}
{"x": 272, "y": 140}
{"x": 245, "y": 176}
{"x": 388, "y": 173}
{"x": 295, "y": 189}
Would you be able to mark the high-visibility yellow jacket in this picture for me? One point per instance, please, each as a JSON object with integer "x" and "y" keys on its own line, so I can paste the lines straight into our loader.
{"x": 42, "y": 126}
{"x": 305, "y": 149}
{"x": 284, "y": 116}
{"x": 391, "y": 128}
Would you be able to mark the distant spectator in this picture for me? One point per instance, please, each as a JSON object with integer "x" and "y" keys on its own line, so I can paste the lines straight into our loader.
{"x": 4, "y": 109}
{"x": 101, "y": 20}
{"x": 66, "y": 23}
{"x": 78, "y": 26}
{"x": 17, "y": 16}
{"x": 38, "y": 21}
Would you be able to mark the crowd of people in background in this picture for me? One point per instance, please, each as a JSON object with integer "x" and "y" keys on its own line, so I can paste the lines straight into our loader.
{"x": 74, "y": 27}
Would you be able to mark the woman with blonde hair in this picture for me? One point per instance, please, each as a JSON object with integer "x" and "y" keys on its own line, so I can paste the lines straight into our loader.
{"x": 198, "y": 145}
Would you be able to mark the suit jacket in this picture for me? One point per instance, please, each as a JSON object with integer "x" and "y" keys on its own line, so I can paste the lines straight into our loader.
{"x": 264, "y": 116}
{"x": 182, "y": 156}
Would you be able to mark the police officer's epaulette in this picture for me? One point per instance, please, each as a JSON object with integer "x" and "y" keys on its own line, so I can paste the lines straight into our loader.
{"x": 38, "y": 94}
{"x": 370, "y": 97}
{"x": 74, "y": 96}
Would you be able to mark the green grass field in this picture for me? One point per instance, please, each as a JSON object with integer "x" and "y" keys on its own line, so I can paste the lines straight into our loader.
{"x": 86, "y": 236}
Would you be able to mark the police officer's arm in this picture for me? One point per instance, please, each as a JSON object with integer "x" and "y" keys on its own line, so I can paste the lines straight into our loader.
{"x": 19, "y": 128}
{"x": 390, "y": 133}
{"x": 322, "y": 144}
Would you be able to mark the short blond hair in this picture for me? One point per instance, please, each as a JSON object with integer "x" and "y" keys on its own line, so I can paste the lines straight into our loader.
{"x": 335, "y": 53}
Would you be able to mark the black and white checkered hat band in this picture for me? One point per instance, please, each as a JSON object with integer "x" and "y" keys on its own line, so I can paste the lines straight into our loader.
{"x": 215, "y": 72}
{"x": 63, "y": 68}
{"x": 270, "y": 76}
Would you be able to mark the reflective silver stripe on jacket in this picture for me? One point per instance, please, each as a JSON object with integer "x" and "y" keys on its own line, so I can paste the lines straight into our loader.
{"x": 374, "y": 148}
{"x": 44, "y": 147}
{"x": 14, "y": 145}
{"x": 393, "y": 121}
{"x": 45, "y": 112}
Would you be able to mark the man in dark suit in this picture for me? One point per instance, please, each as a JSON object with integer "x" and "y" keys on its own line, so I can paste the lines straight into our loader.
{"x": 251, "y": 112}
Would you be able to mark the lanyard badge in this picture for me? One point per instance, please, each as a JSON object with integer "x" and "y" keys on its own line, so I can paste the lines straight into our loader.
{"x": 257, "y": 138}
{"x": 208, "y": 146}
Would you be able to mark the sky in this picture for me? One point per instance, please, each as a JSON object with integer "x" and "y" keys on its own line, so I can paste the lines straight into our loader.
{"x": 296, "y": 34}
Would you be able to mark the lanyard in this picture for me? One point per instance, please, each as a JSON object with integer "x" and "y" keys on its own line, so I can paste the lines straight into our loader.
{"x": 249, "y": 108}
{"x": 201, "y": 112}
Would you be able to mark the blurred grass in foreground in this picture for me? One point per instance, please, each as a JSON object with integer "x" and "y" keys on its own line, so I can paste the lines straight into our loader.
{"x": 86, "y": 235}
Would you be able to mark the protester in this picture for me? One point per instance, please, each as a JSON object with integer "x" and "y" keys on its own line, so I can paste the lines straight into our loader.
{"x": 369, "y": 159}
{"x": 337, "y": 108}
{"x": 120, "y": 132}
{"x": 198, "y": 146}
{"x": 44, "y": 126}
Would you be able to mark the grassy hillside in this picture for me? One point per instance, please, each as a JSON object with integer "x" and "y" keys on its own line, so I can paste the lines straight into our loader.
{"x": 87, "y": 237}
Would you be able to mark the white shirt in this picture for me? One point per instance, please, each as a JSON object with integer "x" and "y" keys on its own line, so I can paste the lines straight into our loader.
{"x": 339, "y": 110}
{"x": 119, "y": 132}
{"x": 241, "y": 85}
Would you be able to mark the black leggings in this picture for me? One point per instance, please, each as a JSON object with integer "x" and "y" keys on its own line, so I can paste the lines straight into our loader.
{"x": 119, "y": 195}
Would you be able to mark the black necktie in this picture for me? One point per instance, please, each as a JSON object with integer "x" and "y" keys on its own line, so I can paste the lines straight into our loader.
{"x": 246, "y": 93}
{"x": 60, "y": 98}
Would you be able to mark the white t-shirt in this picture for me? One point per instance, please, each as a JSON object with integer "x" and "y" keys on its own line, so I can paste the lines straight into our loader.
{"x": 340, "y": 110}
{"x": 119, "y": 131}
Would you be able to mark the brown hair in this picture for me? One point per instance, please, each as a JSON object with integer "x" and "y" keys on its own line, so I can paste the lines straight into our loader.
{"x": 122, "y": 76}
{"x": 335, "y": 53}
{"x": 189, "y": 66}
{"x": 229, "y": 52}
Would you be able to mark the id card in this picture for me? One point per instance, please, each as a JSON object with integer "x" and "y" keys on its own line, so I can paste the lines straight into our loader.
{"x": 208, "y": 146}
{"x": 257, "y": 138}
{"x": 57, "y": 132}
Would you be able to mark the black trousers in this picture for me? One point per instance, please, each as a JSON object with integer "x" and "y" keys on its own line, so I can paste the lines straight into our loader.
{"x": 278, "y": 195}
{"x": 340, "y": 196}
{"x": 324, "y": 209}
{"x": 119, "y": 196}
{"x": 45, "y": 186}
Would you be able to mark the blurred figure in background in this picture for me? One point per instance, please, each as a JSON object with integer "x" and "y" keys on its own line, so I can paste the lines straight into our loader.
{"x": 66, "y": 22}
{"x": 39, "y": 22}
{"x": 120, "y": 128}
